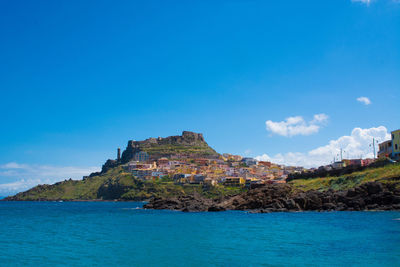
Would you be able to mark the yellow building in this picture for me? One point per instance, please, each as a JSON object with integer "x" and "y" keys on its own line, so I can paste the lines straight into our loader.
{"x": 234, "y": 181}
{"x": 396, "y": 144}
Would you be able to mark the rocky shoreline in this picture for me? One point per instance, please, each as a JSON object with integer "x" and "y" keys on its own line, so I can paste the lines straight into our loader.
{"x": 283, "y": 198}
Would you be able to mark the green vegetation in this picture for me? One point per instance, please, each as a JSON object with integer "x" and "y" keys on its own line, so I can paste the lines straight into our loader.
{"x": 69, "y": 189}
{"x": 118, "y": 184}
{"x": 386, "y": 174}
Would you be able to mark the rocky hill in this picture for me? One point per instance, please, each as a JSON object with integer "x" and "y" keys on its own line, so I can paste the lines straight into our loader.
{"x": 188, "y": 144}
{"x": 112, "y": 183}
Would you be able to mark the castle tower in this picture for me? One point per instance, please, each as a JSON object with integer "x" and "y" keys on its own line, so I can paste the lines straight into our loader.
{"x": 118, "y": 154}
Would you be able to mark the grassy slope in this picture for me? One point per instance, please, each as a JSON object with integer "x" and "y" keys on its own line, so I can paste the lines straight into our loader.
{"x": 69, "y": 189}
{"x": 386, "y": 174}
{"x": 132, "y": 189}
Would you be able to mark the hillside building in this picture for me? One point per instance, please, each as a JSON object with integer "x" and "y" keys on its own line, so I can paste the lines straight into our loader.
{"x": 162, "y": 162}
{"x": 396, "y": 145}
{"x": 385, "y": 149}
{"x": 234, "y": 181}
{"x": 249, "y": 161}
{"x": 390, "y": 148}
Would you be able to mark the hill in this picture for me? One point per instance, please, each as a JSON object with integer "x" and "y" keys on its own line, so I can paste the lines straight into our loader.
{"x": 116, "y": 184}
{"x": 189, "y": 144}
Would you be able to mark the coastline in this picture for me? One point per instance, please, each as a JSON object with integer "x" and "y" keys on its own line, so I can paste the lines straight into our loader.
{"x": 72, "y": 200}
{"x": 372, "y": 196}
{"x": 251, "y": 211}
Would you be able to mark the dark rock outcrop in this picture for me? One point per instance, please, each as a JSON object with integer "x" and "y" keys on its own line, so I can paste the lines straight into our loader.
{"x": 110, "y": 163}
{"x": 191, "y": 203}
{"x": 283, "y": 197}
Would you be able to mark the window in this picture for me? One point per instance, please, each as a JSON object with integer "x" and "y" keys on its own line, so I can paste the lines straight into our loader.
{"x": 395, "y": 146}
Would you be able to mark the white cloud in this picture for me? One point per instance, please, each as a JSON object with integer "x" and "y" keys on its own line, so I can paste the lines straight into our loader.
{"x": 16, "y": 177}
{"x": 355, "y": 145}
{"x": 296, "y": 125}
{"x": 365, "y": 100}
{"x": 319, "y": 118}
{"x": 13, "y": 165}
{"x": 367, "y": 2}
{"x": 20, "y": 185}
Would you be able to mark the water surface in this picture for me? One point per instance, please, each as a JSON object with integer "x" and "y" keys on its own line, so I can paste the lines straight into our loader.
{"x": 122, "y": 234}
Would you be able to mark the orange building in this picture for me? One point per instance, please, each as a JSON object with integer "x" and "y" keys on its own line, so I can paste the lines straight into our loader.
{"x": 265, "y": 163}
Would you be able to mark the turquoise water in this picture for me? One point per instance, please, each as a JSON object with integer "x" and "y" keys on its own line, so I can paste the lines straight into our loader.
{"x": 121, "y": 234}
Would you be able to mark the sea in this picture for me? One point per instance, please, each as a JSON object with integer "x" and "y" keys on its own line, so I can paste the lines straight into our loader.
{"x": 124, "y": 234}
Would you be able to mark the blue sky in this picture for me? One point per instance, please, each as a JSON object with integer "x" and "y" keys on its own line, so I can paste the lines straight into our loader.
{"x": 80, "y": 78}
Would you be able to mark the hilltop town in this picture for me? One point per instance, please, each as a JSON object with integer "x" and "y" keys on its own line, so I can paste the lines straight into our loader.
{"x": 150, "y": 160}
{"x": 189, "y": 160}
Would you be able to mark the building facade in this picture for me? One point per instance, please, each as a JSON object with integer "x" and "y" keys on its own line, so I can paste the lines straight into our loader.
{"x": 234, "y": 181}
{"x": 385, "y": 149}
{"x": 249, "y": 161}
{"x": 396, "y": 145}
{"x": 390, "y": 148}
